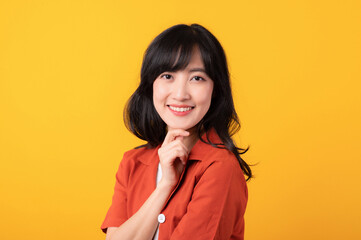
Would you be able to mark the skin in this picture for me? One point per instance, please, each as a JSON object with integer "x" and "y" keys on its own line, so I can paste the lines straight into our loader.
{"x": 189, "y": 89}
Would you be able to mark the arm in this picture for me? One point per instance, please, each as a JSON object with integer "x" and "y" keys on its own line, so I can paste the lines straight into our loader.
{"x": 143, "y": 223}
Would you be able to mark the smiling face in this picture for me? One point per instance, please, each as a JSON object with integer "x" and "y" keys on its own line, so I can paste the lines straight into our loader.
{"x": 183, "y": 97}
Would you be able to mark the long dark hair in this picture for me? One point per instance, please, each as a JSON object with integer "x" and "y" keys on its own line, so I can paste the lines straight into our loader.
{"x": 171, "y": 51}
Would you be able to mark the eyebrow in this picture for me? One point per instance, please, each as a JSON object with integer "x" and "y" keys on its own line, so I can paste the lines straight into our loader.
{"x": 197, "y": 70}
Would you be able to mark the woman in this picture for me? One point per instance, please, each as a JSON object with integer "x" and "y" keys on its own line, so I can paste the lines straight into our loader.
{"x": 188, "y": 181}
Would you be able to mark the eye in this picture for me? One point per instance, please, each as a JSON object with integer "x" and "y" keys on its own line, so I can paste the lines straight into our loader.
{"x": 198, "y": 78}
{"x": 166, "y": 76}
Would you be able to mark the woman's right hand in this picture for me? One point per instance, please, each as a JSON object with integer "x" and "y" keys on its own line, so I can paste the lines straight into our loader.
{"x": 173, "y": 155}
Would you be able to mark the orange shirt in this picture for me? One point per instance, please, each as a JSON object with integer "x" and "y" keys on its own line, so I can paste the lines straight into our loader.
{"x": 208, "y": 203}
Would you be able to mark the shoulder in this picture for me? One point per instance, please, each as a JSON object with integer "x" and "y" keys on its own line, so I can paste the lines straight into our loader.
{"x": 219, "y": 154}
{"x": 210, "y": 148}
{"x": 136, "y": 160}
{"x": 142, "y": 154}
{"x": 221, "y": 159}
{"x": 217, "y": 163}
{"x": 208, "y": 154}
{"x": 137, "y": 152}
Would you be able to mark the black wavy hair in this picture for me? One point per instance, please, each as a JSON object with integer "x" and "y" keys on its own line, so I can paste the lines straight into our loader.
{"x": 171, "y": 51}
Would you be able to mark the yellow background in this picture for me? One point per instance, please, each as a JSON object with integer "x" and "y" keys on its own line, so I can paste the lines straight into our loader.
{"x": 67, "y": 68}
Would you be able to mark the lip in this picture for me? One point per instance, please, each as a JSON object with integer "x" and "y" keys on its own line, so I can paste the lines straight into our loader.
{"x": 180, "y": 106}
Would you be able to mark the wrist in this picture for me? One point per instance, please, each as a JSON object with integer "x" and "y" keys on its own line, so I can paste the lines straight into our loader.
{"x": 165, "y": 186}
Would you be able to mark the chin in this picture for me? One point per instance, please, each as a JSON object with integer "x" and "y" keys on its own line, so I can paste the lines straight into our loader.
{"x": 179, "y": 127}
{"x": 182, "y": 126}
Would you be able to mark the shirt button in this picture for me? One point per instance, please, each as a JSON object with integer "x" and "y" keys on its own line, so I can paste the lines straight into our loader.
{"x": 161, "y": 218}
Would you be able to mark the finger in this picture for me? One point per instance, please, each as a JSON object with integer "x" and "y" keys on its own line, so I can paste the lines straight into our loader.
{"x": 178, "y": 143}
{"x": 174, "y": 150}
{"x": 183, "y": 158}
{"x": 173, "y": 134}
{"x": 179, "y": 138}
{"x": 182, "y": 154}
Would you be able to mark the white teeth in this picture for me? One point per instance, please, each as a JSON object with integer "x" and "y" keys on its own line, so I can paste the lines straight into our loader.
{"x": 180, "y": 109}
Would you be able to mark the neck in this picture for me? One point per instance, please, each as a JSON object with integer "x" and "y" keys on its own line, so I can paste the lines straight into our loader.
{"x": 191, "y": 140}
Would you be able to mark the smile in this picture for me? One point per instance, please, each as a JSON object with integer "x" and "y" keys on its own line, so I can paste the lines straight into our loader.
{"x": 180, "y": 109}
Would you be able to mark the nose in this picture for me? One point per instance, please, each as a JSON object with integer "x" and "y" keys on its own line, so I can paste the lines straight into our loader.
{"x": 180, "y": 91}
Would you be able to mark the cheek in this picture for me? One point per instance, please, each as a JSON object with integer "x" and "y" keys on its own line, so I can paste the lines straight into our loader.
{"x": 205, "y": 95}
{"x": 159, "y": 93}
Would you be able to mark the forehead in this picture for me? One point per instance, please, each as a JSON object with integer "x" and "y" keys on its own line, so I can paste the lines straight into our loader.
{"x": 186, "y": 58}
{"x": 195, "y": 60}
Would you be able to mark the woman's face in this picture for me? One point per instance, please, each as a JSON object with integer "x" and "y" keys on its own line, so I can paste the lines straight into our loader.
{"x": 182, "y": 98}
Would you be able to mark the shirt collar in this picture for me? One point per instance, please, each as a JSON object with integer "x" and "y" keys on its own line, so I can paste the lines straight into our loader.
{"x": 197, "y": 153}
{"x": 200, "y": 148}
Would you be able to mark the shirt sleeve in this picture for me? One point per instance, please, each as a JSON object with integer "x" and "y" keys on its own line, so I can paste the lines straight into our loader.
{"x": 218, "y": 204}
{"x": 117, "y": 213}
